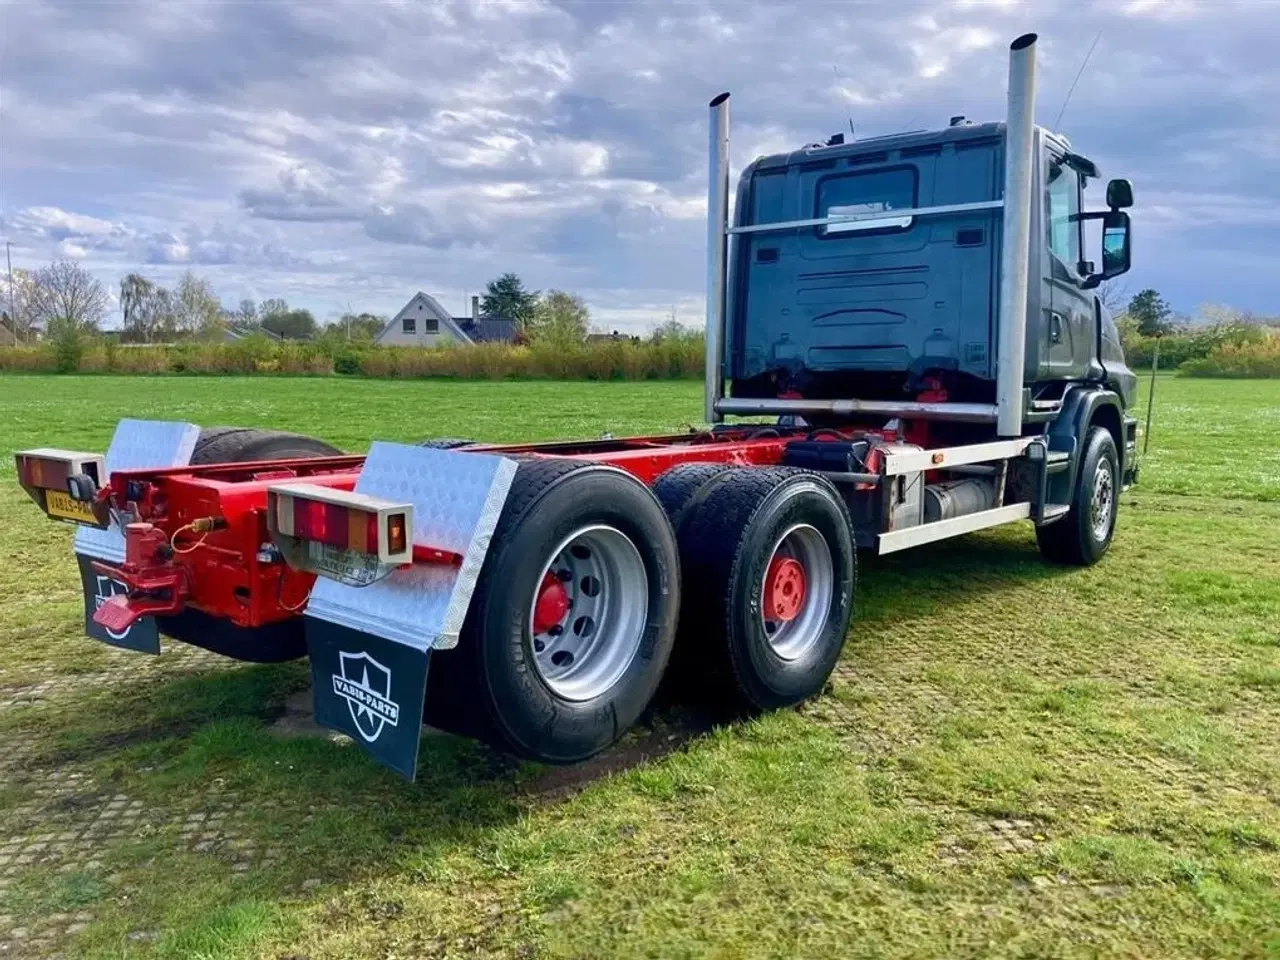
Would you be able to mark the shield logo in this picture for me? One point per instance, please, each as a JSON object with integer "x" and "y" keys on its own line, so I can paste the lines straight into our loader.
{"x": 105, "y": 589}
{"x": 366, "y": 686}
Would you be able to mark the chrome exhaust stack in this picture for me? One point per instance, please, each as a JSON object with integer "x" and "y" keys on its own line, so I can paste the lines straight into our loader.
{"x": 1019, "y": 169}
{"x": 717, "y": 253}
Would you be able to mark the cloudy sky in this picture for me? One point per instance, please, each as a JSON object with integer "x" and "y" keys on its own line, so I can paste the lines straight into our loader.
{"x": 349, "y": 153}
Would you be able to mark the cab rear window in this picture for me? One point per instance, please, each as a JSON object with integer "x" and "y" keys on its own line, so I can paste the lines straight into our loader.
{"x": 873, "y": 194}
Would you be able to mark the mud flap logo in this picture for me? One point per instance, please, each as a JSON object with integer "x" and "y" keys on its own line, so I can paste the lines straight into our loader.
{"x": 370, "y": 689}
{"x": 366, "y": 686}
{"x": 105, "y": 590}
{"x": 97, "y": 588}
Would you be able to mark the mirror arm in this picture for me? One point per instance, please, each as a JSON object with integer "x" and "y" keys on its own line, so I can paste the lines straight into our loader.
{"x": 1093, "y": 280}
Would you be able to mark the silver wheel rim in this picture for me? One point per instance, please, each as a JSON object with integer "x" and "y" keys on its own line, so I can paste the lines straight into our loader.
{"x": 607, "y": 588}
{"x": 792, "y": 639}
{"x": 1102, "y": 504}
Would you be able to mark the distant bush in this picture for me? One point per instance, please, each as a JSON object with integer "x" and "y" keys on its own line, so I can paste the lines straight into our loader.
{"x": 1253, "y": 360}
{"x": 37, "y": 359}
{"x": 1192, "y": 343}
{"x": 670, "y": 358}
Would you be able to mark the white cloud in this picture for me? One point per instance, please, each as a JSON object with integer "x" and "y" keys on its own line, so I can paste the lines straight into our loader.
{"x": 349, "y": 152}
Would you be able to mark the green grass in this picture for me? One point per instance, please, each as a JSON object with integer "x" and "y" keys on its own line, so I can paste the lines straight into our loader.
{"x": 1013, "y": 759}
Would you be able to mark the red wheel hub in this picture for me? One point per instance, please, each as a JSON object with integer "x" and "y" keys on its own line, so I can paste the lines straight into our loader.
{"x": 784, "y": 589}
{"x": 552, "y": 604}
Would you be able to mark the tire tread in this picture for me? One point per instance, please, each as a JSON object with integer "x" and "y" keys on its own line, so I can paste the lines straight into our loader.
{"x": 232, "y": 445}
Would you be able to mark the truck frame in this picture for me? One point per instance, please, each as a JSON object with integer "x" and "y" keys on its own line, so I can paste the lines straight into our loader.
{"x": 536, "y": 595}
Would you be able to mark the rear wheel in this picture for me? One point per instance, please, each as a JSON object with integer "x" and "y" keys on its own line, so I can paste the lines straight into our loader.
{"x": 245, "y": 444}
{"x": 1083, "y": 536}
{"x": 677, "y": 489}
{"x": 572, "y": 620}
{"x": 769, "y": 557}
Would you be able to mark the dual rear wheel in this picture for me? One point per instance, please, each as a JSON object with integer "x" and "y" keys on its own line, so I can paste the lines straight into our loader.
{"x": 576, "y": 611}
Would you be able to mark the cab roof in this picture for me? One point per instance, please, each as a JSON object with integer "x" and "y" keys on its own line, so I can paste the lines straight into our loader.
{"x": 872, "y": 146}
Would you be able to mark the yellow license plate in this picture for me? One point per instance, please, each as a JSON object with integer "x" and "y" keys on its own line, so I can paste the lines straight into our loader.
{"x": 61, "y": 505}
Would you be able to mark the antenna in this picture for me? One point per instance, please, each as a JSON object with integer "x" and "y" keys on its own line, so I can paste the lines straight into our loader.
{"x": 1079, "y": 74}
{"x": 848, "y": 113}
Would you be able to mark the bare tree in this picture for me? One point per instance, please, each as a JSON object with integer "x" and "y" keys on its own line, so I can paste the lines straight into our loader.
{"x": 149, "y": 310}
{"x": 1114, "y": 295}
{"x": 198, "y": 309}
{"x": 271, "y": 307}
{"x": 136, "y": 313}
{"x": 66, "y": 294}
{"x": 19, "y": 300}
{"x": 245, "y": 316}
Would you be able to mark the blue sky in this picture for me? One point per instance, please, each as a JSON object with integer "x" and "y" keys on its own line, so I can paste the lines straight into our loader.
{"x": 349, "y": 153}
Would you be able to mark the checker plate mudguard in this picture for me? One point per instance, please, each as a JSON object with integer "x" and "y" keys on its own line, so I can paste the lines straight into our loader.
{"x": 370, "y": 646}
{"x": 143, "y": 636}
{"x": 371, "y": 689}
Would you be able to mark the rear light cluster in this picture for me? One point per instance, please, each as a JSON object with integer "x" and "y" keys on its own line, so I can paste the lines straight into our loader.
{"x": 302, "y": 513}
{"x": 51, "y": 469}
{"x": 329, "y": 523}
{"x": 65, "y": 483}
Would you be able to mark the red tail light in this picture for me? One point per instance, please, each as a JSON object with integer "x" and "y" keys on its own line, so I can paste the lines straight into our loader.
{"x": 339, "y": 526}
{"x": 49, "y": 469}
{"x": 300, "y": 513}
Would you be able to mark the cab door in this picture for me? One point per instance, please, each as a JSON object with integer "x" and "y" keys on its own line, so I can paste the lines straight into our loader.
{"x": 1068, "y": 328}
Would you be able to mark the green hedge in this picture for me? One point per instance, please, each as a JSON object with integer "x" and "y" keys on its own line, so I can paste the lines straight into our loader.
{"x": 1238, "y": 360}
{"x": 672, "y": 359}
{"x": 1192, "y": 344}
{"x": 1229, "y": 350}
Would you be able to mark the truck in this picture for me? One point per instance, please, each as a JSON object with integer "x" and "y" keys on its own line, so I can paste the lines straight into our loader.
{"x": 904, "y": 344}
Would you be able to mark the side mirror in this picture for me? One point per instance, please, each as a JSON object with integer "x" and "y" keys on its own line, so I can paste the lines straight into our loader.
{"x": 1116, "y": 253}
{"x": 1119, "y": 194}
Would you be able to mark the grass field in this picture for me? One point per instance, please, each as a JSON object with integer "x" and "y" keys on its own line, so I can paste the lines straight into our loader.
{"x": 1012, "y": 760}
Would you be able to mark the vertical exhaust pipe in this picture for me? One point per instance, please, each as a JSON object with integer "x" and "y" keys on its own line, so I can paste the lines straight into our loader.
{"x": 1019, "y": 166}
{"x": 717, "y": 252}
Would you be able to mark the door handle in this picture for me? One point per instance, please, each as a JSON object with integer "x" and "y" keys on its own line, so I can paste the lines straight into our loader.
{"x": 1056, "y": 321}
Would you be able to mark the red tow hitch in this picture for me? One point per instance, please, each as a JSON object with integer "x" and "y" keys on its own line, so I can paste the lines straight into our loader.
{"x": 155, "y": 584}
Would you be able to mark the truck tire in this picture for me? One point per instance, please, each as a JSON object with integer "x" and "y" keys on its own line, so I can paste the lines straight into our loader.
{"x": 573, "y": 617}
{"x": 1084, "y": 534}
{"x": 446, "y": 443}
{"x": 769, "y": 554}
{"x": 244, "y": 444}
{"x": 677, "y": 488}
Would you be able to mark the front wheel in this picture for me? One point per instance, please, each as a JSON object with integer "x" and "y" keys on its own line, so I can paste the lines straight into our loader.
{"x": 1084, "y": 534}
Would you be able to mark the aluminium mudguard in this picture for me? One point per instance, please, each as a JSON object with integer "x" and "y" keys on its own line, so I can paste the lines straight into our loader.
{"x": 370, "y": 646}
{"x": 1068, "y": 430}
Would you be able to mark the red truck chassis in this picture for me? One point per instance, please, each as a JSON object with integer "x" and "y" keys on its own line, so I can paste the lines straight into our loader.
{"x": 197, "y": 536}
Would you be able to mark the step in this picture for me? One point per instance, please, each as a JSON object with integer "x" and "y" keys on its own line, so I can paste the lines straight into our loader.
{"x": 1052, "y": 511}
{"x": 1057, "y": 460}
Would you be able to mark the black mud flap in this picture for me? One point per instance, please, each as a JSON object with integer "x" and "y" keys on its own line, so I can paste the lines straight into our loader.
{"x": 371, "y": 689}
{"x": 143, "y": 636}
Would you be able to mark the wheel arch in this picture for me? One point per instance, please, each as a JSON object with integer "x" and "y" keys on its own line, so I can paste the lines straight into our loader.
{"x": 1082, "y": 408}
